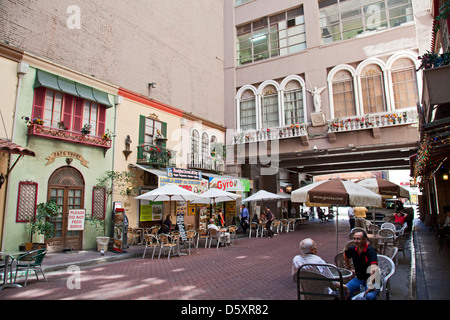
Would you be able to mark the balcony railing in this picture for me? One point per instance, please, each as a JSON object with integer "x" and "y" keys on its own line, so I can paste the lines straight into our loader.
{"x": 196, "y": 161}
{"x": 156, "y": 156}
{"x": 297, "y": 130}
{"x": 68, "y": 136}
{"x": 384, "y": 119}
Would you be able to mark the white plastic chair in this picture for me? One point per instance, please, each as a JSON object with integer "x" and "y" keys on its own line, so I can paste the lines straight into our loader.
{"x": 214, "y": 234}
{"x": 387, "y": 269}
{"x": 284, "y": 225}
{"x": 291, "y": 224}
{"x": 253, "y": 227}
{"x": 388, "y": 225}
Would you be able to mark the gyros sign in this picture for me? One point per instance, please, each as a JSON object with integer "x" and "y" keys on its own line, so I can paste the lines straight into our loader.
{"x": 242, "y": 185}
{"x": 225, "y": 184}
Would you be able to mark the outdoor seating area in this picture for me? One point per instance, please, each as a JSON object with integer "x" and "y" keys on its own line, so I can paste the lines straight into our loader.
{"x": 21, "y": 263}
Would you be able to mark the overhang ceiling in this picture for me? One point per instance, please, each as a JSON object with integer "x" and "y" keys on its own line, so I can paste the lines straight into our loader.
{"x": 350, "y": 159}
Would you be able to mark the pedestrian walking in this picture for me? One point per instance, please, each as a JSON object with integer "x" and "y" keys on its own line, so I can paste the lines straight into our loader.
{"x": 244, "y": 217}
{"x": 270, "y": 217}
{"x": 351, "y": 217}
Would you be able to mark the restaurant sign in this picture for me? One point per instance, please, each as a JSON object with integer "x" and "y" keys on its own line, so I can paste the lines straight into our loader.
{"x": 197, "y": 186}
{"x": 184, "y": 173}
{"x": 230, "y": 184}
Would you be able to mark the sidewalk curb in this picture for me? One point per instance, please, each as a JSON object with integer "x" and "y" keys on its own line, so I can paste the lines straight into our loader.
{"x": 93, "y": 261}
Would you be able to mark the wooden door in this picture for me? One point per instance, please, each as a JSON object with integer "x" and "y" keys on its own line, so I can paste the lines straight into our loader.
{"x": 66, "y": 188}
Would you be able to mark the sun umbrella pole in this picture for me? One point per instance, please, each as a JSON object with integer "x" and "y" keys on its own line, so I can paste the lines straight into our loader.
{"x": 337, "y": 228}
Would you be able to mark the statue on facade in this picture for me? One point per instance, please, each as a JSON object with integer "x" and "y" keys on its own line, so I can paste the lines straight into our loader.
{"x": 317, "y": 117}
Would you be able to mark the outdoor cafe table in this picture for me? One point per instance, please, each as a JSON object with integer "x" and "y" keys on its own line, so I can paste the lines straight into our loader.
{"x": 375, "y": 239}
{"x": 346, "y": 274}
{"x": 8, "y": 255}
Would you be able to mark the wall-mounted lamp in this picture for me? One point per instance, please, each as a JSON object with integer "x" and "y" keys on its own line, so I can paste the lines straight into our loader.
{"x": 2, "y": 180}
{"x": 150, "y": 86}
{"x": 444, "y": 176}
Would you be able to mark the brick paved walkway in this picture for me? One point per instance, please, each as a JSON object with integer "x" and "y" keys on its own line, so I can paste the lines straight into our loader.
{"x": 252, "y": 269}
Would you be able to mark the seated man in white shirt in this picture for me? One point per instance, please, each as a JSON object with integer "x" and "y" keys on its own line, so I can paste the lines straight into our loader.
{"x": 309, "y": 256}
{"x": 211, "y": 225}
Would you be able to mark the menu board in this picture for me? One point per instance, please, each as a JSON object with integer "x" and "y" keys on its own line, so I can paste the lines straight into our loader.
{"x": 203, "y": 217}
{"x": 119, "y": 224}
{"x": 180, "y": 223}
{"x": 151, "y": 212}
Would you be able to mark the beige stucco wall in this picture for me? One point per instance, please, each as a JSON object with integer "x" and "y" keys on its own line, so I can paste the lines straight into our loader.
{"x": 178, "y": 44}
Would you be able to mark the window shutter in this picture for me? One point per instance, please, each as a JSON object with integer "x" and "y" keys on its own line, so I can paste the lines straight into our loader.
{"x": 101, "y": 119}
{"x": 99, "y": 202}
{"x": 67, "y": 111}
{"x": 164, "y": 132}
{"x": 26, "y": 201}
{"x": 78, "y": 114}
{"x": 39, "y": 102}
{"x": 141, "y": 137}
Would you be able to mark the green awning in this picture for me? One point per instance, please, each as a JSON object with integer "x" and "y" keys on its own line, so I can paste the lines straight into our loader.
{"x": 51, "y": 81}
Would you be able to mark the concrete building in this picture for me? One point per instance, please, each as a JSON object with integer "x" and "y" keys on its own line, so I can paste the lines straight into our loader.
{"x": 319, "y": 87}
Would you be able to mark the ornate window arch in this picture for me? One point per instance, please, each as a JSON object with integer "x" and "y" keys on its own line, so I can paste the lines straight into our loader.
{"x": 405, "y": 86}
{"x": 342, "y": 84}
{"x": 268, "y": 93}
{"x": 293, "y": 100}
{"x": 372, "y": 86}
{"x": 246, "y": 108}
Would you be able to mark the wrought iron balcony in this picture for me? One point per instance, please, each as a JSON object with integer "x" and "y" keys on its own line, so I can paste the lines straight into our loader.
{"x": 197, "y": 161}
{"x": 156, "y": 156}
{"x": 68, "y": 136}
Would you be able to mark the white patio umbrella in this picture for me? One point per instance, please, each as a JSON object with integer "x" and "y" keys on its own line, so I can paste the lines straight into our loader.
{"x": 263, "y": 195}
{"x": 336, "y": 192}
{"x": 168, "y": 192}
{"x": 384, "y": 187}
{"x": 215, "y": 195}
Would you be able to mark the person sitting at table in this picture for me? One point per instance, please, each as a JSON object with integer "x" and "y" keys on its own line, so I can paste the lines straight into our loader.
{"x": 167, "y": 225}
{"x": 308, "y": 249}
{"x": 222, "y": 234}
{"x": 365, "y": 261}
{"x": 400, "y": 217}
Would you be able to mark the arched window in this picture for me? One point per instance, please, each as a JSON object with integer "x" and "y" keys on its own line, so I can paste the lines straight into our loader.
{"x": 194, "y": 142}
{"x": 404, "y": 83}
{"x": 372, "y": 89}
{"x": 247, "y": 111}
{"x": 343, "y": 94}
{"x": 293, "y": 103}
{"x": 205, "y": 146}
{"x": 269, "y": 107}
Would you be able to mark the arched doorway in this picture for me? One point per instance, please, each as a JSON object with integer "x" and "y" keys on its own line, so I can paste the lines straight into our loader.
{"x": 66, "y": 188}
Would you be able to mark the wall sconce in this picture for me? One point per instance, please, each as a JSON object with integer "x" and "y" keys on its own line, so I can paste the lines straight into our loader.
{"x": 150, "y": 86}
{"x": 2, "y": 180}
{"x": 444, "y": 176}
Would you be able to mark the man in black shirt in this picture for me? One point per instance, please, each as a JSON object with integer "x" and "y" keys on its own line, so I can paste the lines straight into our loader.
{"x": 364, "y": 259}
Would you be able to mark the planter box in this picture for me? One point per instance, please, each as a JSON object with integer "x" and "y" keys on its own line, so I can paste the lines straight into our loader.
{"x": 435, "y": 85}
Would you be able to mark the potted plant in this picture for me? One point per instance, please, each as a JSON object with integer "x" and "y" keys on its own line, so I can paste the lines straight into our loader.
{"x": 41, "y": 225}
{"x": 86, "y": 129}
{"x": 100, "y": 224}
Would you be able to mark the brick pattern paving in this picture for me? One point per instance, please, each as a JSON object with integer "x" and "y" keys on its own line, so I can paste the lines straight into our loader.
{"x": 257, "y": 269}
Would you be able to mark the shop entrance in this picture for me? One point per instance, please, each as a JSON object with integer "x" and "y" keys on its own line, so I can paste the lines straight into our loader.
{"x": 66, "y": 188}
